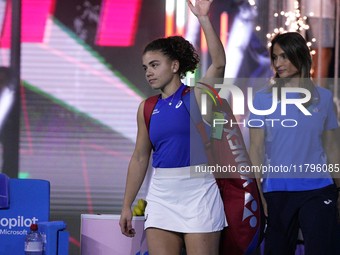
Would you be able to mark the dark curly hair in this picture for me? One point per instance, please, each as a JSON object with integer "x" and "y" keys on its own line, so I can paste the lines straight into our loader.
{"x": 176, "y": 48}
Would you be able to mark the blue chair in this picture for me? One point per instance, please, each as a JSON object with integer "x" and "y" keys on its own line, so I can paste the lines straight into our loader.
{"x": 56, "y": 240}
{"x": 4, "y": 191}
{"x": 28, "y": 202}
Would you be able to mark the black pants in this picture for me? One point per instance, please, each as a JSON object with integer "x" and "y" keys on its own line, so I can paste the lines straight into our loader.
{"x": 313, "y": 211}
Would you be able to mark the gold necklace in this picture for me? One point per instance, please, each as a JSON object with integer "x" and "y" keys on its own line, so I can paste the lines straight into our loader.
{"x": 170, "y": 103}
{"x": 173, "y": 96}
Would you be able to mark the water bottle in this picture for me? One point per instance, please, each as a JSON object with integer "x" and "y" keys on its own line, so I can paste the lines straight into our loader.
{"x": 34, "y": 242}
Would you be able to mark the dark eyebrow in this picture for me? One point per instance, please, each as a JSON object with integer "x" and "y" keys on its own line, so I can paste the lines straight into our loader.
{"x": 281, "y": 54}
{"x": 151, "y": 62}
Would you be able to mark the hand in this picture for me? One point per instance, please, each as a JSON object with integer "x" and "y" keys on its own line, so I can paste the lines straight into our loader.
{"x": 201, "y": 8}
{"x": 125, "y": 223}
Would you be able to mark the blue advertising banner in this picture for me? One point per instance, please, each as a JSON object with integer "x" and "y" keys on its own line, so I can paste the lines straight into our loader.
{"x": 29, "y": 203}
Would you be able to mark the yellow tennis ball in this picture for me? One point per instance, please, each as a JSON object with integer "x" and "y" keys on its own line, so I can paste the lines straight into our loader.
{"x": 141, "y": 204}
{"x": 137, "y": 210}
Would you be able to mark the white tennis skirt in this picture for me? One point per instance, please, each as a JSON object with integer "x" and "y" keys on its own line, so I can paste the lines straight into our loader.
{"x": 181, "y": 203}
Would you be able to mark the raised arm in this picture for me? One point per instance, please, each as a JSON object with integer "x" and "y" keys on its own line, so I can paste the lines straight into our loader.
{"x": 216, "y": 50}
{"x": 136, "y": 172}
